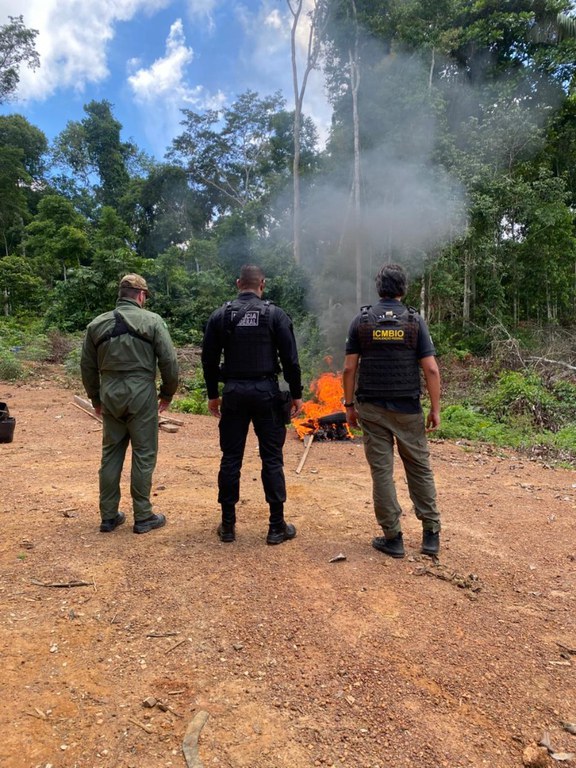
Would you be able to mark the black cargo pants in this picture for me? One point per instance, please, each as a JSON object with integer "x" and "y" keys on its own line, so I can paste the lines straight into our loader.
{"x": 243, "y": 402}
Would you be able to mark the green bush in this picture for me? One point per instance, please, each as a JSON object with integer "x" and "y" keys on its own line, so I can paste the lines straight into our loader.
{"x": 11, "y": 369}
{"x": 522, "y": 400}
{"x": 460, "y": 422}
{"x": 194, "y": 399}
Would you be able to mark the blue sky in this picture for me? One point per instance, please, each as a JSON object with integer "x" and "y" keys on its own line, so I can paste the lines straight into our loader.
{"x": 152, "y": 58}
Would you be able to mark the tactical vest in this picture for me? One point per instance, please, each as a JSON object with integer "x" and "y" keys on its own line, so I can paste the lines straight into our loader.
{"x": 389, "y": 366}
{"x": 249, "y": 348}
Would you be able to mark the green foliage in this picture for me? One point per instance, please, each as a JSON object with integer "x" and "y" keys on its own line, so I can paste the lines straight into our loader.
{"x": 72, "y": 362}
{"x": 194, "y": 398}
{"x": 463, "y": 423}
{"x": 522, "y": 399}
{"x": 17, "y": 47}
{"x": 11, "y": 368}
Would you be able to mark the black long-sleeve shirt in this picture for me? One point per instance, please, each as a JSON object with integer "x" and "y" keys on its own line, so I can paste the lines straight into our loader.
{"x": 282, "y": 339}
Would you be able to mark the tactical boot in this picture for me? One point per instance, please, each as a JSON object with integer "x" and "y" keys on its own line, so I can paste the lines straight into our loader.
{"x": 149, "y": 524}
{"x": 108, "y": 525}
{"x": 393, "y": 547}
{"x": 430, "y": 543}
{"x": 226, "y": 532}
{"x": 280, "y": 532}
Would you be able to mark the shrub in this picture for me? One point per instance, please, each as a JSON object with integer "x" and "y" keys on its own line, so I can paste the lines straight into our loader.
{"x": 11, "y": 369}
{"x": 522, "y": 399}
{"x": 194, "y": 400}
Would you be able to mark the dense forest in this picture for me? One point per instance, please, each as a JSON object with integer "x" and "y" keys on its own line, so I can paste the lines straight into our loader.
{"x": 452, "y": 150}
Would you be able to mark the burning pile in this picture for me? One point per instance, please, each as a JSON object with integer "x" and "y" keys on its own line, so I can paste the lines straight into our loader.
{"x": 324, "y": 417}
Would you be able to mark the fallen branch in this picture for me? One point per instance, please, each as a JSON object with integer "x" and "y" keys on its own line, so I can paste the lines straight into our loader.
{"x": 175, "y": 646}
{"x": 552, "y": 362}
{"x": 144, "y": 726}
{"x": 190, "y": 742}
{"x": 161, "y": 634}
{"x": 63, "y": 584}
{"x": 307, "y": 445}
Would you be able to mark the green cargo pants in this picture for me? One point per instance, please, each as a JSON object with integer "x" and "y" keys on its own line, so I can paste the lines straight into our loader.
{"x": 130, "y": 415}
{"x": 381, "y": 428}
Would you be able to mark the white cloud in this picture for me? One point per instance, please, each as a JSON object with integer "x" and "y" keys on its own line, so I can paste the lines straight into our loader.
{"x": 72, "y": 40}
{"x": 162, "y": 90}
{"x": 267, "y": 58}
{"x": 203, "y": 9}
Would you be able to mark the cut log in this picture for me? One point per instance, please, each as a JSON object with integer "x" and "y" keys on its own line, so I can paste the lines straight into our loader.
{"x": 165, "y": 426}
{"x": 171, "y": 420}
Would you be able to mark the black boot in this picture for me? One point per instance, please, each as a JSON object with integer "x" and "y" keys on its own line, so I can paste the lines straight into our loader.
{"x": 280, "y": 532}
{"x": 393, "y": 547}
{"x": 430, "y": 543}
{"x": 226, "y": 529}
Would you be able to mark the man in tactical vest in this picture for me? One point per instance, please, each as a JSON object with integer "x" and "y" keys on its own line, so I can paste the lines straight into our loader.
{"x": 251, "y": 334}
{"x": 387, "y": 346}
{"x": 120, "y": 354}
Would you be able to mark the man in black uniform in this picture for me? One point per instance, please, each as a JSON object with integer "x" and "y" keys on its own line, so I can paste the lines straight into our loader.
{"x": 387, "y": 345}
{"x": 252, "y": 334}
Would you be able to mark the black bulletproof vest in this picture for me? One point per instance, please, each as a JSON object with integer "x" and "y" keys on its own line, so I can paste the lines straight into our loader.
{"x": 249, "y": 348}
{"x": 389, "y": 365}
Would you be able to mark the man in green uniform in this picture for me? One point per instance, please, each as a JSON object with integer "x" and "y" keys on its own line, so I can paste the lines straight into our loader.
{"x": 121, "y": 352}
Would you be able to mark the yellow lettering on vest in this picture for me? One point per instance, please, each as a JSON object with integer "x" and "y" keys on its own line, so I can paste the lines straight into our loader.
{"x": 381, "y": 334}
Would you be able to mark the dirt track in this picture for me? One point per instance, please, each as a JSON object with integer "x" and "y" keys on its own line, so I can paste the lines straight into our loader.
{"x": 365, "y": 662}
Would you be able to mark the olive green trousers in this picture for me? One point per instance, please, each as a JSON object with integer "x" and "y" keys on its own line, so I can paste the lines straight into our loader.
{"x": 130, "y": 417}
{"x": 383, "y": 428}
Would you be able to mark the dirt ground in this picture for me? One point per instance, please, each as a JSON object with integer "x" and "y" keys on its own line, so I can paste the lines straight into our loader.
{"x": 299, "y": 657}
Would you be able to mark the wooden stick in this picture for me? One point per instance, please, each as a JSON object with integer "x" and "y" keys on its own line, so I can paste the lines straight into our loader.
{"x": 165, "y": 423}
{"x": 175, "y": 646}
{"x": 307, "y": 445}
{"x": 90, "y": 413}
{"x": 62, "y": 584}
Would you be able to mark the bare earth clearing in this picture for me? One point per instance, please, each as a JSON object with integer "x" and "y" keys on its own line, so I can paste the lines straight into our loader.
{"x": 364, "y": 662}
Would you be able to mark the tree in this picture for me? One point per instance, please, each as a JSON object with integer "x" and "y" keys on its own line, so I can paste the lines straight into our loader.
{"x": 16, "y": 48}
{"x": 165, "y": 211}
{"x": 22, "y": 147}
{"x": 57, "y": 238}
{"x": 231, "y": 167}
{"x": 92, "y": 152}
{"x": 316, "y": 20}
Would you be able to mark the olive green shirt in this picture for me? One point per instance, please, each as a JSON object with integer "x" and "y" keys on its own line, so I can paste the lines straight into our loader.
{"x": 137, "y": 353}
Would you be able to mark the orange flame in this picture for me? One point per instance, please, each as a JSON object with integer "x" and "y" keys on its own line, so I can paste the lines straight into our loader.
{"x": 328, "y": 394}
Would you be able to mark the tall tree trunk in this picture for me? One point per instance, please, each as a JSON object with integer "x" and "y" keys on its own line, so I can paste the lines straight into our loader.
{"x": 317, "y": 21}
{"x": 355, "y": 83}
{"x": 467, "y": 287}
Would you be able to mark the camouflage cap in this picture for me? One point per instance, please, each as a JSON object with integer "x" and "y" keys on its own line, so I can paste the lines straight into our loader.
{"x": 134, "y": 281}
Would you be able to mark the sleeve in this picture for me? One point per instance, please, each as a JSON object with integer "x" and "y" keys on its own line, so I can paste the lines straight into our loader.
{"x": 211, "y": 354}
{"x": 287, "y": 351}
{"x": 89, "y": 369}
{"x": 425, "y": 344}
{"x": 167, "y": 361}
{"x": 352, "y": 340}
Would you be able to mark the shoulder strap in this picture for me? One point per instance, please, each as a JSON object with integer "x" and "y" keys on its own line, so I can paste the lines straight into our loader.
{"x": 120, "y": 328}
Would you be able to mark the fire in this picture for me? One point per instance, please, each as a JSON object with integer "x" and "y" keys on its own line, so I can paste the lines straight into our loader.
{"x": 328, "y": 394}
